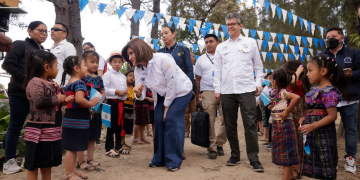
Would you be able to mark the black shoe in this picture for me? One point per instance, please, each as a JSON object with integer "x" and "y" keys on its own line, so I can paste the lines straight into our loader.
{"x": 152, "y": 165}
{"x": 233, "y": 161}
{"x": 173, "y": 169}
{"x": 220, "y": 151}
{"x": 268, "y": 147}
{"x": 97, "y": 142}
{"x": 256, "y": 166}
{"x": 266, "y": 144}
{"x": 212, "y": 155}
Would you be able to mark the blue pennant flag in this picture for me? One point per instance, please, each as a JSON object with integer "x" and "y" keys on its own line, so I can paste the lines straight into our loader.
{"x": 155, "y": 41}
{"x": 304, "y": 40}
{"x": 195, "y": 46}
{"x": 316, "y": 40}
{"x": 203, "y": 32}
{"x": 290, "y": 15}
{"x": 291, "y": 56}
{"x": 276, "y": 45}
{"x": 102, "y": 7}
{"x": 292, "y": 37}
{"x": 254, "y": 1}
{"x": 156, "y": 47}
{"x": 192, "y": 22}
{"x": 253, "y": 33}
{"x": 267, "y": 5}
{"x": 280, "y": 56}
{"x": 136, "y": 17}
{"x": 306, "y": 51}
{"x": 228, "y": 36}
{"x": 170, "y": 23}
{"x": 267, "y": 35}
{"x": 269, "y": 55}
{"x": 302, "y": 58}
{"x": 224, "y": 28}
{"x": 106, "y": 115}
{"x": 121, "y": 11}
{"x": 265, "y": 43}
{"x": 208, "y": 26}
{"x": 280, "y": 36}
{"x": 176, "y": 20}
{"x": 190, "y": 28}
{"x": 269, "y": 70}
{"x": 153, "y": 21}
{"x": 278, "y": 9}
{"x": 142, "y": 37}
{"x": 141, "y": 13}
{"x": 301, "y": 21}
{"x": 296, "y": 49}
{"x": 321, "y": 41}
{"x": 158, "y": 15}
{"x": 218, "y": 34}
{"x": 325, "y": 30}
{"x": 82, "y": 4}
{"x": 286, "y": 47}
{"x": 181, "y": 44}
{"x": 196, "y": 57}
{"x": 316, "y": 52}
{"x": 309, "y": 26}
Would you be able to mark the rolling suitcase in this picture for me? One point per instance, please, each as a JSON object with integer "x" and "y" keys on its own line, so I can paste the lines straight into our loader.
{"x": 200, "y": 128}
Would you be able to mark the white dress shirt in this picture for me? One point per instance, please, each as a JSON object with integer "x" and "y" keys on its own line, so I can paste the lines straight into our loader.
{"x": 164, "y": 77}
{"x": 102, "y": 63}
{"x": 235, "y": 63}
{"x": 62, "y": 51}
{"x": 113, "y": 81}
{"x": 204, "y": 67}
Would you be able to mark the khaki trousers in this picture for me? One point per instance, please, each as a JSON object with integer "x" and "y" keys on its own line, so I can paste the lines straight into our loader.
{"x": 188, "y": 112}
{"x": 210, "y": 105}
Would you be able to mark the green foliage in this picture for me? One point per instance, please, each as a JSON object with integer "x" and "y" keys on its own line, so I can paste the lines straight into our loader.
{"x": 123, "y": 69}
{"x": 355, "y": 38}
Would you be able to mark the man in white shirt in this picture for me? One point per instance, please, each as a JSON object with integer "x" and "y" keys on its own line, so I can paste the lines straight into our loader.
{"x": 61, "y": 48}
{"x": 204, "y": 78}
{"x": 235, "y": 61}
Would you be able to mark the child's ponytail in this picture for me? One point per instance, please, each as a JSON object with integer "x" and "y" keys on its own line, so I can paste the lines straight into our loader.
{"x": 69, "y": 64}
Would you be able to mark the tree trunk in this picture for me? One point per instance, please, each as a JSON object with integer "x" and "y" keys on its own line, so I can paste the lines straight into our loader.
{"x": 173, "y": 8}
{"x": 69, "y": 14}
{"x": 135, "y": 4}
{"x": 155, "y": 28}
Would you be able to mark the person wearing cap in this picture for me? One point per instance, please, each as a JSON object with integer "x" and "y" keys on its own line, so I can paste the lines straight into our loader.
{"x": 116, "y": 93}
{"x": 61, "y": 48}
{"x": 172, "y": 91}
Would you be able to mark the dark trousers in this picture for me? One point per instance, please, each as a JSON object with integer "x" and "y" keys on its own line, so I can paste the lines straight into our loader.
{"x": 230, "y": 104}
{"x": 349, "y": 118}
{"x": 270, "y": 131}
{"x": 19, "y": 109}
{"x": 115, "y": 128}
{"x": 170, "y": 132}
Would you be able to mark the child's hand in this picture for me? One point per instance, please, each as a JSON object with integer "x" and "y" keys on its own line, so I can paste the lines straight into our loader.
{"x": 307, "y": 128}
{"x": 69, "y": 99}
{"x": 284, "y": 115}
{"x": 151, "y": 99}
{"x": 94, "y": 101}
{"x": 301, "y": 120}
{"x": 61, "y": 97}
{"x": 138, "y": 89}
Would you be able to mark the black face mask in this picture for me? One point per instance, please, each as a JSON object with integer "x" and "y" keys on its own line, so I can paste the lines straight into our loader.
{"x": 332, "y": 43}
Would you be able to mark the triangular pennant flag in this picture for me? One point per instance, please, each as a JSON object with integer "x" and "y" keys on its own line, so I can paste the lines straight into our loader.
{"x": 273, "y": 36}
{"x": 305, "y": 24}
{"x": 162, "y": 21}
{"x": 263, "y": 56}
{"x": 302, "y": 58}
{"x": 134, "y": 37}
{"x": 92, "y": 6}
{"x": 196, "y": 57}
{"x": 309, "y": 39}
{"x": 196, "y": 29}
{"x": 273, "y": 8}
{"x": 280, "y": 37}
{"x": 312, "y": 28}
{"x": 322, "y": 32}
{"x": 203, "y": 32}
{"x": 192, "y": 22}
{"x": 224, "y": 28}
{"x": 246, "y": 32}
{"x": 309, "y": 26}
{"x": 259, "y": 43}
{"x": 201, "y": 48}
{"x": 316, "y": 40}
{"x": 158, "y": 15}
{"x": 148, "y": 40}
{"x": 321, "y": 41}
{"x": 260, "y": 34}
{"x": 298, "y": 39}
{"x": 82, "y": 4}
{"x": 142, "y": 37}
{"x": 291, "y": 56}
{"x": 297, "y": 56}
{"x": 292, "y": 48}
{"x": 286, "y": 47}
{"x": 218, "y": 34}
{"x": 190, "y": 28}
{"x": 296, "y": 49}
{"x": 269, "y": 55}
{"x": 290, "y": 15}
{"x": 270, "y": 45}
{"x": 253, "y": 33}
{"x": 167, "y": 18}
{"x": 148, "y": 16}
{"x": 162, "y": 42}
{"x": 155, "y": 41}
{"x": 156, "y": 47}
{"x": 278, "y": 9}
{"x": 170, "y": 23}
{"x": 198, "y": 24}
{"x": 286, "y": 56}
{"x": 282, "y": 47}
{"x": 301, "y": 21}
{"x": 176, "y": 20}
{"x": 136, "y": 17}
{"x": 292, "y": 37}
{"x": 301, "y": 50}
{"x": 182, "y": 26}
{"x": 311, "y": 51}
{"x": 153, "y": 21}
{"x": 110, "y": 9}
{"x": 141, "y": 13}
{"x": 129, "y": 13}
{"x": 195, "y": 46}
{"x": 304, "y": 40}
{"x": 121, "y": 11}
{"x": 284, "y": 14}
{"x": 308, "y": 57}
{"x": 267, "y": 5}
{"x": 267, "y": 35}
{"x": 222, "y": 35}
{"x": 216, "y": 28}
{"x": 211, "y": 31}
{"x": 261, "y": 3}
{"x": 294, "y": 19}
{"x": 254, "y": 2}
{"x": 208, "y": 26}
{"x": 280, "y": 56}
{"x": 276, "y": 45}
{"x": 306, "y": 51}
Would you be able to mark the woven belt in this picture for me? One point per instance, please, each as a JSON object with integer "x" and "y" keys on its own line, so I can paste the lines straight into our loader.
{"x": 316, "y": 112}
{"x": 276, "y": 115}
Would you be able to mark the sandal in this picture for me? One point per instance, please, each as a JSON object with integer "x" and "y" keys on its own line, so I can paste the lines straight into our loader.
{"x": 145, "y": 141}
{"x": 95, "y": 165}
{"x": 138, "y": 141}
{"x": 86, "y": 168}
{"x": 72, "y": 176}
{"x": 112, "y": 153}
{"x": 81, "y": 175}
{"x": 124, "y": 151}
{"x": 127, "y": 145}
{"x": 149, "y": 134}
{"x": 298, "y": 174}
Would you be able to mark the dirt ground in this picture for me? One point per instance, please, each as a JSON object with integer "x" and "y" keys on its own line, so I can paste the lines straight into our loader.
{"x": 196, "y": 166}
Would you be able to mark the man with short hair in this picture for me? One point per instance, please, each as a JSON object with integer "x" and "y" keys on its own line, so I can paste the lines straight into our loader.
{"x": 349, "y": 60}
{"x": 204, "y": 78}
{"x": 61, "y": 48}
{"x": 235, "y": 61}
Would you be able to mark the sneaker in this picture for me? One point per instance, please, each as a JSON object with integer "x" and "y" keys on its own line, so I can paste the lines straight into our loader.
{"x": 212, "y": 155}
{"x": 265, "y": 144}
{"x": 233, "y": 161}
{"x": 268, "y": 147}
{"x": 172, "y": 169}
{"x": 11, "y": 167}
{"x": 350, "y": 165}
{"x": 256, "y": 166}
{"x": 152, "y": 165}
{"x": 220, "y": 151}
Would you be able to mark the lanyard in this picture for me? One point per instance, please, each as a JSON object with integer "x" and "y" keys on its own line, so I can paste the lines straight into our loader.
{"x": 211, "y": 60}
{"x": 169, "y": 49}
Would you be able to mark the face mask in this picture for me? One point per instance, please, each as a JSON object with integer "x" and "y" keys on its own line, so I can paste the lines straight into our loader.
{"x": 332, "y": 43}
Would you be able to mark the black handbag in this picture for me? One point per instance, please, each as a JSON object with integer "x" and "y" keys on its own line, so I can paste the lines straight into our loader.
{"x": 200, "y": 124}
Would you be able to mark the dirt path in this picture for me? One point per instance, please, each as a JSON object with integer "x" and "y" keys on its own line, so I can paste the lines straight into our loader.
{"x": 196, "y": 166}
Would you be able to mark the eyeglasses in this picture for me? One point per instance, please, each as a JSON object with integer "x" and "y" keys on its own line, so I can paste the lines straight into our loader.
{"x": 232, "y": 24}
{"x": 42, "y": 30}
{"x": 57, "y": 29}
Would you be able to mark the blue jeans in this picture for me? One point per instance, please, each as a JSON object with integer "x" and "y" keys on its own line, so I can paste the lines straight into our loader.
{"x": 348, "y": 116}
{"x": 170, "y": 133}
{"x": 19, "y": 109}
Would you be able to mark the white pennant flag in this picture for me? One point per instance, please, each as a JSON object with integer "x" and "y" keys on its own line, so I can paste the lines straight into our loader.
{"x": 298, "y": 39}
{"x": 322, "y": 32}
{"x": 246, "y": 32}
{"x": 110, "y": 9}
{"x": 270, "y": 44}
{"x": 129, "y": 13}
{"x": 264, "y": 56}
{"x": 162, "y": 21}
{"x": 93, "y": 6}
{"x": 196, "y": 29}
{"x": 260, "y": 34}
{"x": 211, "y": 31}
{"x": 305, "y": 24}
{"x": 301, "y": 50}
{"x": 282, "y": 47}
{"x": 294, "y": 19}
{"x": 297, "y": 57}
{"x": 273, "y": 9}
{"x": 309, "y": 39}
{"x": 183, "y": 26}
{"x": 134, "y": 37}
{"x": 284, "y": 14}
{"x": 312, "y": 28}
{"x": 273, "y": 35}
{"x": 216, "y": 28}
{"x": 261, "y": 3}
{"x": 308, "y": 57}
{"x": 181, "y": 22}
{"x": 148, "y": 16}
{"x": 148, "y": 40}
{"x": 275, "y": 56}
{"x": 286, "y": 38}
{"x": 292, "y": 48}
{"x": 222, "y": 36}
{"x": 167, "y": 18}
{"x": 201, "y": 48}
{"x": 259, "y": 43}
{"x": 162, "y": 42}
{"x": 311, "y": 51}
{"x": 198, "y": 24}
{"x": 286, "y": 56}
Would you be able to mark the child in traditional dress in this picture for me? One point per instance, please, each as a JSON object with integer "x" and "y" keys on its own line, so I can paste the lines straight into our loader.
{"x": 43, "y": 127}
{"x": 321, "y": 113}
{"x": 284, "y": 138}
{"x": 92, "y": 81}
{"x": 265, "y": 113}
{"x": 76, "y": 121}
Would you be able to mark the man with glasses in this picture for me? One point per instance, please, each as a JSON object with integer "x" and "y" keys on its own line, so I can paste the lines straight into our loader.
{"x": 235, "y": 62}
{"x": 349, "y": 60}
{"x": 61, "y": 48}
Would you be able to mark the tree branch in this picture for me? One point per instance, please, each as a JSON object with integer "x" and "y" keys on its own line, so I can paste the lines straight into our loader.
{"x": 211, "y": 6}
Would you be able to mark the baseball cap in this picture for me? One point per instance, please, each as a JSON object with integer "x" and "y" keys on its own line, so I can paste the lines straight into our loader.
{"x": 115, "y": 53}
